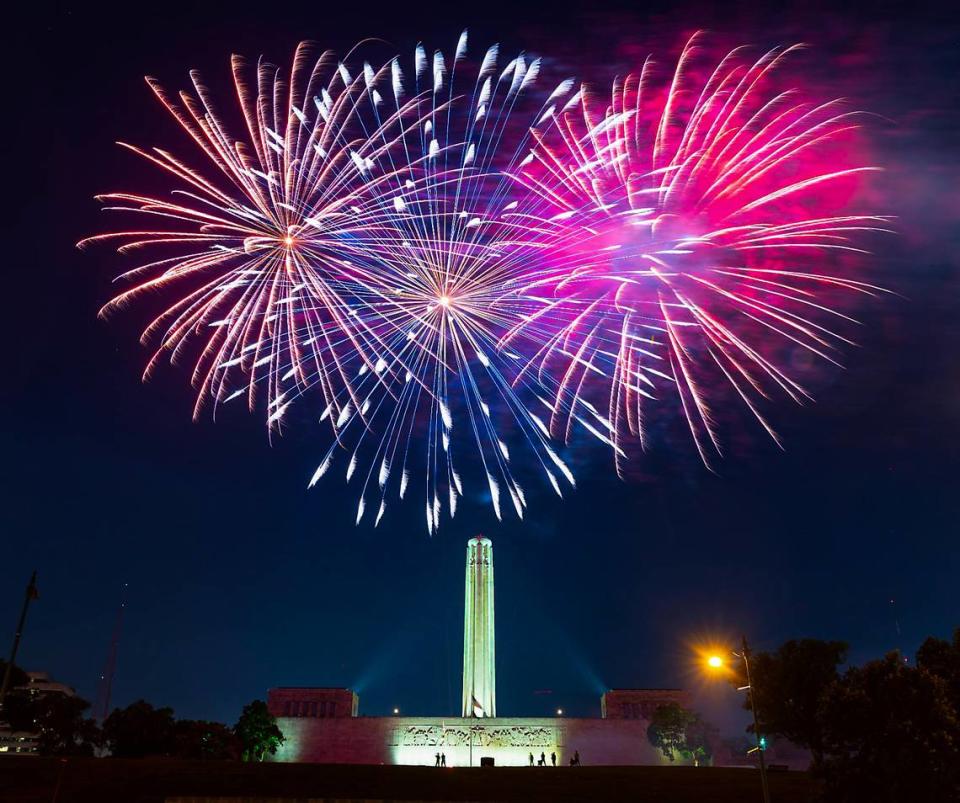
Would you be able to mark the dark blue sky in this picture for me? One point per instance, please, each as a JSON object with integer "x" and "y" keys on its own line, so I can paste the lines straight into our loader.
{"x": 240, "y": 579}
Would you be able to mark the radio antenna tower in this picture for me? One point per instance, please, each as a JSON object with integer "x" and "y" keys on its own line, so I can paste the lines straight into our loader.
{"x": 101, "y": 709}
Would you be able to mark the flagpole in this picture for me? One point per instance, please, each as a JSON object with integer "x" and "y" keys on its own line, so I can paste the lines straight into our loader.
{"x": 31, "y": 594}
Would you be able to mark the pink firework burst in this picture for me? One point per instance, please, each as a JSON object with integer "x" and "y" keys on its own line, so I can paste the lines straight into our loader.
{"x": 703, "y": 229}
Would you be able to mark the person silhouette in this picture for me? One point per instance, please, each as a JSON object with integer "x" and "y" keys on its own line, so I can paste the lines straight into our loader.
{"x": 438, "y": 761}
{"x": 531, "y": 759}
{"x": 443, "y": 759}
{"x": 543, "y": 760}
{"x": 576, "y": 758}
{"x": 553, "y": 759}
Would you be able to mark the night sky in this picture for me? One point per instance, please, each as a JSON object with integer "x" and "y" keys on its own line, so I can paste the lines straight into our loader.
{"x": 240, "y": 579}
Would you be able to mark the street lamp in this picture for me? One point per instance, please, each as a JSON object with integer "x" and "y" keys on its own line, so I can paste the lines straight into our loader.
{"x": 473, "y": 729}
{"x": 716, "y": 662}
{"x": 559, "y": 712}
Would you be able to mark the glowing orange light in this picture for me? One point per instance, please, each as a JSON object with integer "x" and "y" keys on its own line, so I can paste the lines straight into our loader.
{"x": 288, "y": 241}
{"x": 715, "y": 662}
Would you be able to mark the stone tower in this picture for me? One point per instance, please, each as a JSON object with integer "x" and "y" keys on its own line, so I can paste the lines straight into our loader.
{"x": 479, "y": 673}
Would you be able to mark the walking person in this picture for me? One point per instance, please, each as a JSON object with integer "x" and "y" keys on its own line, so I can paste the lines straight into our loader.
{"x": 443, "y": 759}
{"x": 576, "y": 758}
{"x": 531, "y": 759}
{"x": 553, "y": 759}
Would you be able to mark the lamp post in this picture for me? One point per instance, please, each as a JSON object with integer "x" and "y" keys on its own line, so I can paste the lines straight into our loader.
{"x": 756, "y": 723}
{"x": 716, "y": 662}
{"x": 473, "y": 729}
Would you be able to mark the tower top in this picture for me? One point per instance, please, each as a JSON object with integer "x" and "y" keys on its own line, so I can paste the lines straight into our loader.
{"x": 480, "y": 539}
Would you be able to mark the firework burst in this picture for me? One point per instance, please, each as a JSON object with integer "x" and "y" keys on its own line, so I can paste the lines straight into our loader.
{"x": 444, "y": 291}
{"x": 699, "y": 227}
{"x": 256, "y": 251}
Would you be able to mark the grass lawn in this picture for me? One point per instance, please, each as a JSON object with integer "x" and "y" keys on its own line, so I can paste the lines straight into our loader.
{"x": 32, "y": 780}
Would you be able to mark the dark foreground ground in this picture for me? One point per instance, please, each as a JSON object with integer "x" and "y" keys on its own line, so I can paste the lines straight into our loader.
{"x": 32, "y": 780}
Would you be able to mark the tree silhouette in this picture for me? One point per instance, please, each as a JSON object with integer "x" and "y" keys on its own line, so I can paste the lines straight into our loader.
{"x": 139, "y": 730}
{"x": 891, "y": 732}
{"x": 788, "y": 685}
{"x": 942, "y": 658}
{"x": 199, "y": 739}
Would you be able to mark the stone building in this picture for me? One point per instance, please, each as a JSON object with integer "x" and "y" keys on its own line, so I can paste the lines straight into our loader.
{"x": 351, "y": 739}
{"x": 38, "y": 684}
{"x": 322, "y": 724}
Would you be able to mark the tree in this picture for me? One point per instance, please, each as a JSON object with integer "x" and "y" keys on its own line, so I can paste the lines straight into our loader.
{"x": 788, "y": 685}
{"x": 205, "y": 740}
{"x": 699, "y": 741}
{"x": 676, "y": 731}
{"x": 64, "y": 730}
{"x": 257, "y": 731}
{"x": 139, "y": 730}
{"x": 942, "y": 658}
{"x": 891, "y": 734}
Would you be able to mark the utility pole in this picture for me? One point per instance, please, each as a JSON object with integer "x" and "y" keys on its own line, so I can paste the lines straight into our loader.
{"x": 756, "y": 723}
{"x": 31, "y": 594}
{"x": 101, "y": 708}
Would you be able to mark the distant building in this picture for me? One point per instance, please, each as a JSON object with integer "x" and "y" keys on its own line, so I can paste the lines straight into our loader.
{"x": 296, "y": 702}
{"x": 339, "y": 738}
{"x": 322, "y": 724}
{"x": 640, "y": 703}
{"x": 25, "y": 742}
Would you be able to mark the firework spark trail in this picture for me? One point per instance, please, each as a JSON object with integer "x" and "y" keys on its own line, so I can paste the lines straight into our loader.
{"x": 443, "y": 292}
{"x": 705, "y": 233}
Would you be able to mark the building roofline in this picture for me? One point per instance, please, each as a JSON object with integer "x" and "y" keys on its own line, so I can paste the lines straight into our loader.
{"x": 621, "y": 688}
{"x": 309, "y": 688}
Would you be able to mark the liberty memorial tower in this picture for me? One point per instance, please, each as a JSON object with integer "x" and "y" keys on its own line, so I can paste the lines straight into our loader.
{"x": 479, "y": 676}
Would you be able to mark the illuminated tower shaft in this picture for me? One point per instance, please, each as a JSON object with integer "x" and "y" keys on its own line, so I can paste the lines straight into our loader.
{"x": 479, "y": 672}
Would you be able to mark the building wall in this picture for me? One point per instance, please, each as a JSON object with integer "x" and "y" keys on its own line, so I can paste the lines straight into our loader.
{"x": 509, "y": 740}
{"x": 25, "y": 742}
